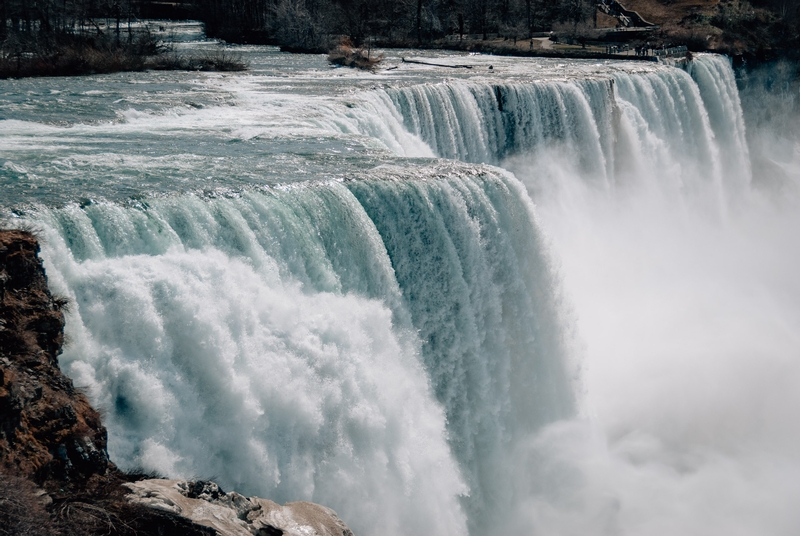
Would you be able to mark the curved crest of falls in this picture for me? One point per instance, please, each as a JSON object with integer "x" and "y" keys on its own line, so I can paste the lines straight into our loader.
{"x": 333, "y": 286}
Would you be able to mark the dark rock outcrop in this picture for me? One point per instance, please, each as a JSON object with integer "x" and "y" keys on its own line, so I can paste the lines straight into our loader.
{"x": 48, "y": 431}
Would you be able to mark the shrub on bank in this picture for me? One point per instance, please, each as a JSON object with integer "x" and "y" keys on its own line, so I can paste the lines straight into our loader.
{"x": 218, "y": 60}
{"x": 67, "y": 54}
{"x": 71, "y": 55}
{"x": 23, "y": 509}
{"x": 347, "y": 55}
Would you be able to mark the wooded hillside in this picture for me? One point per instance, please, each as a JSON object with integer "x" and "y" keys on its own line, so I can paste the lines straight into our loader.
{"x": 731, "y": 26}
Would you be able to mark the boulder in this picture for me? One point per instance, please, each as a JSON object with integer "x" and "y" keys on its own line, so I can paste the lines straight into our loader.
{"x": 204, "y": 503}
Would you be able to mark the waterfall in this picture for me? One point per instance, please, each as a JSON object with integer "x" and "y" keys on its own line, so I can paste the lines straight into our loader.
{"x": 321, "y": 337}
{"x": 715, "y": 79}
{"x": 487, "y": 123}
{"x": 391, "y": 328}
{"x": 673, "y": 129}
{"x": 482, "y": 297}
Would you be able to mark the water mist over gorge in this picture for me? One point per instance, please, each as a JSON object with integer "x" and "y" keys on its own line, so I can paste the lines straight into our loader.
{"x": 558, "y": 298}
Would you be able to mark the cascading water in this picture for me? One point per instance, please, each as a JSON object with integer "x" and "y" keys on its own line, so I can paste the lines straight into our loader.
{"x": 487, "y": 123}
{"x": 290, "y": 294}
{"x": 278, "y": 333}
{"x": 665, "y": 123}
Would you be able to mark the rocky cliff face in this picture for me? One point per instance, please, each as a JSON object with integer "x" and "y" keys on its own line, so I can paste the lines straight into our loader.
{"x": 55, "y": 474}
{"x": 48, "y": 431}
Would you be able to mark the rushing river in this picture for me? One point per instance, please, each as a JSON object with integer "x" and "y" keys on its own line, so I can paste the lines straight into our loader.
{"x": 531, "y": 297}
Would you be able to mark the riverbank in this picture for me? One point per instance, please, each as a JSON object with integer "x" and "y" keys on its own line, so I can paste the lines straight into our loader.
{"x": 535, "y": 48}
{"x": 78, "y": 62}
{"x": 749, "y": 33}
{"x": 759, "y": 45}
{"x": 74, "y": 56}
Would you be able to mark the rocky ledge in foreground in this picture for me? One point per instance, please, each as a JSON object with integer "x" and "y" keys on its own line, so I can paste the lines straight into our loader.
{"x": 231, "y": 513}
{"x": 55, "y": 474}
